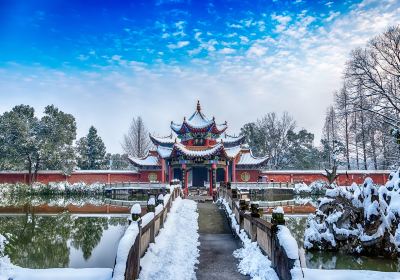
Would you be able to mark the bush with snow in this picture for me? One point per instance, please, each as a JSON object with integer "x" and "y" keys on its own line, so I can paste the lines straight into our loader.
{"x": 315, "y": 188}
{"x": 53, "y": 188}
{"x": 358, "y": 219}
{"x": 5, "y": 263}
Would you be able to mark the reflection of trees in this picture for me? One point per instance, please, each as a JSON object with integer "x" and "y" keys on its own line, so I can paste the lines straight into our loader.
{"x": 38, "y": 241}
{"x": 297, "y": 225}
{"x": 87, "y": 233}
{"x": 52, "y": 200}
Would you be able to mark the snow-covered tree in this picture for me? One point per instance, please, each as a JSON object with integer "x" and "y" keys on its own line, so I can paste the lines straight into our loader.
{"x": 277, "y": 137}
{"x": 33, "y": 144}
{"x": 117, "y": 161}
{"x": 91, "y": 151}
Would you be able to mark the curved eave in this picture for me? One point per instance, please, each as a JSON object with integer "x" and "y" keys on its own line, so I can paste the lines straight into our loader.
{"x": 164, "y": 152}
{"x": 145, "y": 162}
{"x": 216, "y": 150}
{"x": 247, "y": 159}
{"x": 165, "y": 141}
{"x": 219, "y": 128}
{"x": 186, "y": 127}
{"x": 233, "y": 141}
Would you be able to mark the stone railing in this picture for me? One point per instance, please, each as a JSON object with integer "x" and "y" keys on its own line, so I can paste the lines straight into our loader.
{"x": 149, "y": 226}
{"x": 262, "y": 185}
{"x": 261, "y": 231}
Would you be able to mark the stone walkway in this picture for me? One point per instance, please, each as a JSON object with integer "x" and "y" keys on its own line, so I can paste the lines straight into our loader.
{"x": 217, "y": 244}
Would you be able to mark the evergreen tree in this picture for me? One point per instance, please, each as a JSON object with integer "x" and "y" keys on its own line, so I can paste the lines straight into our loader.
{"x": 117, "y": 161}
{"x": 33, "y": 144}
{"x": 91, "y": 151}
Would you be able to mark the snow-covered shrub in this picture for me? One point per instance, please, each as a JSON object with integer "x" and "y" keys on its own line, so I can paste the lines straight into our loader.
{"x": 302, "y": 188}
{"x": 315, "y": 188}
{"x": 358, "y": 219}
{"x": 52, "y": 188}
{"x": 5, "y": 263}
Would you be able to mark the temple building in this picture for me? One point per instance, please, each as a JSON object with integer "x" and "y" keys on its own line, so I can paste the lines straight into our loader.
{"x": 199, "y": 153}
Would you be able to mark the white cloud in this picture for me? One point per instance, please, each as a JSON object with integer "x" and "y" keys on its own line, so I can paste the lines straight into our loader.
{"x": 332, "y": 15}
{"x": 178, "y": 45}
{"x": 296, "y": 71}
{"x": 283, "y": 21}
{"x": 227, "y": 51}
{"x": 257, "y": 50}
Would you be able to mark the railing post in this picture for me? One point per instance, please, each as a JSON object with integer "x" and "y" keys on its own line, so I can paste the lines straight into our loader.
{"x": 133, "y": 261}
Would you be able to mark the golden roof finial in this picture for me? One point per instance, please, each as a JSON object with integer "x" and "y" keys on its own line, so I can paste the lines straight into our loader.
{"x": 198, "y": 106}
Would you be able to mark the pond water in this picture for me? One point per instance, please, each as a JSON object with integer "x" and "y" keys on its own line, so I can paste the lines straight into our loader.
{"x": 335, "y": 260}
{"x": 39, "y": 237}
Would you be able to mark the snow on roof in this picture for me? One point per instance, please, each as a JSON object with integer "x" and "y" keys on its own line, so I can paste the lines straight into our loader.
{"x": 247, "y": 158}
{"x": 233, "y": 151}
{"x": 222, "y": 127}
{"x": 149, "y": 160}
{"x": 230, "y": 139}
{"x": 164, "y": 152}
{"x": 162, "y": 140}
{"x": 197, "y": 152}
{"x": 199, "y": 120}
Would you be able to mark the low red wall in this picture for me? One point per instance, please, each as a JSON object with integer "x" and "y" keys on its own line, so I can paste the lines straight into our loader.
{"x": 80, "y": 176}
{"x": 379, "y": 177}
{"x": 358, "y": 177}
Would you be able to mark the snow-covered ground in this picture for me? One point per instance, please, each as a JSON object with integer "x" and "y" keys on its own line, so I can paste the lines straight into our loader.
{"x": 174, "y": 255}
{"x": 62, "y": 274}
{"x": 337, "y": 274}
{"x": 252, "y": 261}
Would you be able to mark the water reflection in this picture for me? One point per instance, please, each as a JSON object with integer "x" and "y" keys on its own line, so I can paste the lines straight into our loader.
{"x": 336, "y": 260}
{"x": 44, "y": 241}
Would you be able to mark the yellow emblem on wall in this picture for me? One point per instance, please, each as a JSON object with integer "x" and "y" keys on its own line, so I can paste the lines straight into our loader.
{"x": 152, "y": 177}
{"x": 245, "y": 176}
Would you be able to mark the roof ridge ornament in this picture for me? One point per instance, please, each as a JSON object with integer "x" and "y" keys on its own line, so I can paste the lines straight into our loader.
{"x": 198, "y": 108}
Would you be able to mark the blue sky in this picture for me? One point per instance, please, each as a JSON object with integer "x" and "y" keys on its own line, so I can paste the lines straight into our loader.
{"x": 107, "y": 61}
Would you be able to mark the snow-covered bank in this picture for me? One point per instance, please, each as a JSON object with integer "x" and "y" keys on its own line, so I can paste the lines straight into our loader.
{"x": 174, "y": 255}
{"x": 62, "y": 274}
{"x": 252, "y": 261}
{"x": 318, "y": 274}
{"x": 51, "y": 188}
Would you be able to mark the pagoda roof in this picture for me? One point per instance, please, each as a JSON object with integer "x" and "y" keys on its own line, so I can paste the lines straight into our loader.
{"x": 231, "y": 141}
{"x": 247, "y": 158}
{"x": 198, "y": 122}
{"x": 150, "y": 160}
{"x": 199, "y": 151}
{"x": 167, "y": 141}
{"x": 243, "y": 154}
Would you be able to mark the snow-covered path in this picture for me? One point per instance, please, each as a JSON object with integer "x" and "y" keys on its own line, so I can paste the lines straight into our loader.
{"x": 174, "y": 254}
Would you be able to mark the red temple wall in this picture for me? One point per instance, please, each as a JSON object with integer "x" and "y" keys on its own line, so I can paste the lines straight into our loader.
{"x": 145, "y": 174}
{"x": 379, "y": 177}
{"x": 89, "y": 177}
{"x": 253, "y": 175}
{"x": 343, "y": 179}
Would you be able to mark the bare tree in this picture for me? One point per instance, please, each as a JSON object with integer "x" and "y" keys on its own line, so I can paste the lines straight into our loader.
{"x": 342, "y": 104}
{"x": 376, "y": 70}
{"x": 136, "y": 142}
